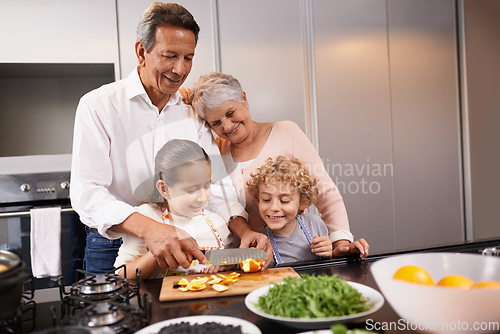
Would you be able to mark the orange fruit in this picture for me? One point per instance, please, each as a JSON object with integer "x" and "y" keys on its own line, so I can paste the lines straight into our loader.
{"x": 456, "y": 281}
{"x": 183, "y": 282}
{"x": 250, "y": 265}
{"x": 413, "y": 274}
{"x": 214, "y": 280}
{"x": 486, "y": 285}
{"x": 220, "y": 287}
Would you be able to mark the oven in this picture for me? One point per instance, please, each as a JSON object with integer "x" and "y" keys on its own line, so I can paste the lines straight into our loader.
{"x": 22, "y": 192}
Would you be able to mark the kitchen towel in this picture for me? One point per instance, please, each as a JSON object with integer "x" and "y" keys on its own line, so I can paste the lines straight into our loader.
{"x": 46, "y": 241}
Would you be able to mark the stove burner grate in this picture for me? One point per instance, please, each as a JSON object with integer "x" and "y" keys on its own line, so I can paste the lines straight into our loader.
{"x": 104, "y": 301}
{"x": 98, "y": 287}
{"x": 23, "y": 319}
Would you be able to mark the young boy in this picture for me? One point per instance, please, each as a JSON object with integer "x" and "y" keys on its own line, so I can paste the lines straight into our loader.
{"x": 283, "y": 189}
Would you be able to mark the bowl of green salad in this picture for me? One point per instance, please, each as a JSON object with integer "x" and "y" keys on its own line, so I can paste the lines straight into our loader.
{"x": 314, "y": 302}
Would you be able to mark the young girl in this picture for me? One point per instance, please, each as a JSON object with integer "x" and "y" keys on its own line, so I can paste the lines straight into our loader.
{"x": 182, "y": 179}
{"x": 283, "y": 189}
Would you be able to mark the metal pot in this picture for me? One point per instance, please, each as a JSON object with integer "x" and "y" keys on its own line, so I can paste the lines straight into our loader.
{"x": 11, "y": 283}
{"x": 8, "y": 261}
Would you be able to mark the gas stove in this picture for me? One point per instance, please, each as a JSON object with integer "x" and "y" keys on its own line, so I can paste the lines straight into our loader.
{"x": 101, "y": 304}
{"x": 105, "y": 287}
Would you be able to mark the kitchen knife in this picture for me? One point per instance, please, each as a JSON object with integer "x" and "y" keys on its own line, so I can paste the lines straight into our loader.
{"x": 221, "y": 257}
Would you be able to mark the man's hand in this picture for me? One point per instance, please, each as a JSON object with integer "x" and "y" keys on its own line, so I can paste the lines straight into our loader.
{"x": 250, "y": 238}
{"x": 172, "y": 247}
{"x": 322, "y": 246}
{"x": 345, "y": 248}
{"x": 258, "y": 240}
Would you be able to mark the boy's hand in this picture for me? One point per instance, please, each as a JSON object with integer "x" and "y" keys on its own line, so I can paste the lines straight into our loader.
{"x": 345, "y": 248}
{"x": 322, "y": 246}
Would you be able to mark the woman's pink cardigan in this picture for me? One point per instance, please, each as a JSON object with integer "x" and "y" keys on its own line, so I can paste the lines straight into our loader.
{"x": 287, "y": 139}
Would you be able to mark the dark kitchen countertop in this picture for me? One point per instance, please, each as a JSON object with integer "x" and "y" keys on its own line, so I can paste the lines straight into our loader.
{"x": 357, "y": 271}
{"x": 350, "y": 269}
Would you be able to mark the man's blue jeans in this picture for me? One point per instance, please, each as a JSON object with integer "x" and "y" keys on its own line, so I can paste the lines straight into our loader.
{"x": 100, "y": 253}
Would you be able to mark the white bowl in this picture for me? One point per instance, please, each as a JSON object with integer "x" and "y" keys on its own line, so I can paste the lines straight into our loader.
{"x": 439, "y": 309}
{"x": 374, "y": 300}
{"x": 246, "y": 327}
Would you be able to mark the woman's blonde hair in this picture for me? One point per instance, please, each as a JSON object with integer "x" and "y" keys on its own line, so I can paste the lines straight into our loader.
{"x": 285, "y": 170}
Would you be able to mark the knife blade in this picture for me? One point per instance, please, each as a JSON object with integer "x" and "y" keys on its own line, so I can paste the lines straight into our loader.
{"x": 220, "y": 257}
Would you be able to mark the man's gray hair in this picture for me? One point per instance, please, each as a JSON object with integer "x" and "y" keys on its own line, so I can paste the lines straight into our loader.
{"x": 212, "y": 90}
{"x": 164, "y": 13}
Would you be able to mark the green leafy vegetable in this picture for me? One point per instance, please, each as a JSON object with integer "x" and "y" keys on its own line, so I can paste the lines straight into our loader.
{"x": 342, "y": 329}
{"x": 339, "y": 329}
{"x": 312, "y": 297}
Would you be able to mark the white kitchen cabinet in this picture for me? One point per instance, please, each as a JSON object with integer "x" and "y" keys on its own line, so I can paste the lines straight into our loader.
{"x": 58, "y": 31}
{"x": 388, "y": 118}
{"x": 261, "y": 45}
{"x": 481, "y": 102}
{"x": 428, "y": 192}
{"x": 354, "y": 112}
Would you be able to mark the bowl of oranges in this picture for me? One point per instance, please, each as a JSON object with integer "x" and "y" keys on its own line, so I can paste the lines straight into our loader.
{"x": 442, "y": 292}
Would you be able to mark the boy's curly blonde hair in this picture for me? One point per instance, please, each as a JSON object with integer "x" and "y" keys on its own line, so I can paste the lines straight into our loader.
{"x": 287, "y": 170}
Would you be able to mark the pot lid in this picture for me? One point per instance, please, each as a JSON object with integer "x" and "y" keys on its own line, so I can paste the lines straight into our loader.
{"x": 8, "y": 260}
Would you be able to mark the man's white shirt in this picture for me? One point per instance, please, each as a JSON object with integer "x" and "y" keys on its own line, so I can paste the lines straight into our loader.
{"x": 117, "y": 133}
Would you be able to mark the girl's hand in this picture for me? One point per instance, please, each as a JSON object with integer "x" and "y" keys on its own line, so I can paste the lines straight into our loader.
{"x": 322, "y": 246}
{"x": 345, "y": 248}
{"x": 213, "y": 269}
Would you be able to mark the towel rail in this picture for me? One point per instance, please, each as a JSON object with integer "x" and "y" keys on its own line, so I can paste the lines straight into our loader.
{"x": 27, "y": 213}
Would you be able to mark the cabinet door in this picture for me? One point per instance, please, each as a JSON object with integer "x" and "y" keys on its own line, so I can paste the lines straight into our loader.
{"x": 425, "y": 123}
{"x": 58, "y": 31}
{"x": 388, "y": 117}
{"x": 354, "y": 116}
{"x": 261, "y": 45}
{"x": 129, "y": 13}
{"x": 482, "y": 116}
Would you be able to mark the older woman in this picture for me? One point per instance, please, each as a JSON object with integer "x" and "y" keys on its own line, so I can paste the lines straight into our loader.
{"x": 246, "y": 144}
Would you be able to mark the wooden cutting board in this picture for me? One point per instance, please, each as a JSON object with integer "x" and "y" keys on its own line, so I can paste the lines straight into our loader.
{"x": 247, "y": 282}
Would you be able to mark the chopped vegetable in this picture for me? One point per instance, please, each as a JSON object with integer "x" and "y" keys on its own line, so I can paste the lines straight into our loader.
{"x": 312, "y": 297}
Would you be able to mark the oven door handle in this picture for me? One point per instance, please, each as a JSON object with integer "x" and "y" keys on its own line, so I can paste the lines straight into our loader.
{"x": 27, "y": 213}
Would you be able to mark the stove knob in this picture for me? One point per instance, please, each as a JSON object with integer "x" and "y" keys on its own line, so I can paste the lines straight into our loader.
{"x": 65, "y": 185}
{"x": 25, "y": 187}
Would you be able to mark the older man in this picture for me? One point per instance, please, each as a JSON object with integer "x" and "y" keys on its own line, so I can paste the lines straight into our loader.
{"x": 119, "y": 128}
